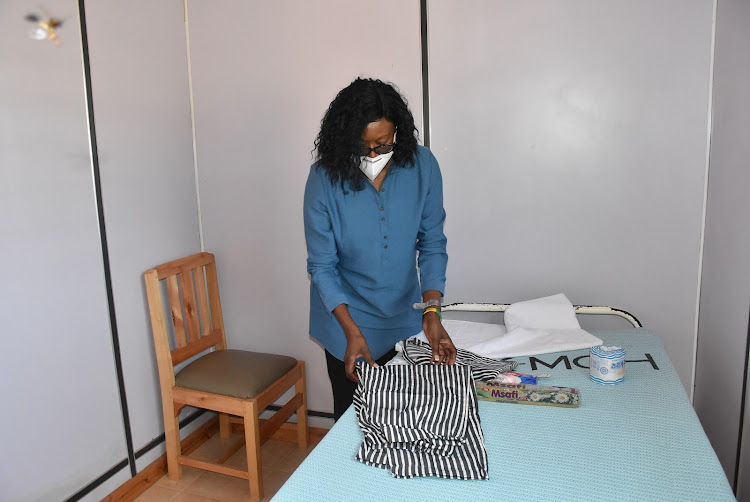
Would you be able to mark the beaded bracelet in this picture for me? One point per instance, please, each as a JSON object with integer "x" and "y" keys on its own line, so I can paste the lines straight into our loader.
{"x": 433, "y": 309}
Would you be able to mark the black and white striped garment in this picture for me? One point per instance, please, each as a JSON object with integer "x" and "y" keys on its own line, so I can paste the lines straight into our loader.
{"x": 484, "y": 368}
{"x": 420, "y": 421}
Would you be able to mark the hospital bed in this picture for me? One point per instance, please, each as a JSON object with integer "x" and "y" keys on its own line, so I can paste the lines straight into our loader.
{"x": 639, "y": 440}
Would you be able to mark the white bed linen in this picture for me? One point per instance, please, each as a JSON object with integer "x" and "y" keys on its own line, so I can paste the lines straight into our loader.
{"x": 493, "y": 340}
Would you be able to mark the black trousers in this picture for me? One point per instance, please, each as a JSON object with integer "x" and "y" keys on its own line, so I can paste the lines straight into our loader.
{"x": 343, "y": 388}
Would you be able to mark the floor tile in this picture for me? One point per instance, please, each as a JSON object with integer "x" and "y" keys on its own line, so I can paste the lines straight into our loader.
{"x": 279, "y": 460}
{"x": 274, "y": 455}
{"x": 189, "y": 474}
{"x": 273, "y": 452}
{"x": 215, "y": 447}
{"x": 239, "y": 460}
{"x": 293, "y": 459}
{"x": 157, "y": 493}
{"x": 220, "y": 486}
{"x": 272, "y": 481}
{"x": 192, "y": 497}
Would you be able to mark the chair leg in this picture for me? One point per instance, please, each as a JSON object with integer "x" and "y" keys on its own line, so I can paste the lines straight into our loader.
{"x": 300, "y": 387}
{"x": 252, "y": 443}
{"x": 172, "y": 440}
{"x": 225, "y": 428}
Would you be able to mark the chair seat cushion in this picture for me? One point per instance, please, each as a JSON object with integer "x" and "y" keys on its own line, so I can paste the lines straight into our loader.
{"x": 236, "y": 373}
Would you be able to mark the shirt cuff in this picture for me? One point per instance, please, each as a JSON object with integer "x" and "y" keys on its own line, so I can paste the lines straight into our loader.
{"x": 332, "y": 299}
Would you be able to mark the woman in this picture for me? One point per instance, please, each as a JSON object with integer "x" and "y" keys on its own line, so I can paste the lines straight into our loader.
{"x": 373, "y": 202}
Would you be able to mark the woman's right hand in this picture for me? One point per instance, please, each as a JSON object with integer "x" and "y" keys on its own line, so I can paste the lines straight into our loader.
{"x": 356, "y": 347}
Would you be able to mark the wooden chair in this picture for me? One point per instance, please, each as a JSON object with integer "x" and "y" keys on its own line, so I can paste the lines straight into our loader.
{"x": 231, "y": 382}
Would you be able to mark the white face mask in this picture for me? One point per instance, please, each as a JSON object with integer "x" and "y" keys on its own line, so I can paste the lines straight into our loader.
{"x": 373, "y": 166}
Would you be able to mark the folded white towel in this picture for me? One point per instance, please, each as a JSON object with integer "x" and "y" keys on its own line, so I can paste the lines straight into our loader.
{"x": 492, "y": 340}
{"x": 540, "y": 326}
{"x": 529, "y": 342}
{"x": 550, "y": 312}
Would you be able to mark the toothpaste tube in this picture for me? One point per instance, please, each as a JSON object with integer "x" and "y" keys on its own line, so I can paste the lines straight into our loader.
{"x": 515, "y": 377}
{"x": 528, "y": 394}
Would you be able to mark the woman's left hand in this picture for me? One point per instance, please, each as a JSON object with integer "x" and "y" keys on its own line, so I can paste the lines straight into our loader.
{"x": 443, "y": 350}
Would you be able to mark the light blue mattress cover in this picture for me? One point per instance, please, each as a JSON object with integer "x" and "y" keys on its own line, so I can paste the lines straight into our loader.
{"x": 639, "y": 440}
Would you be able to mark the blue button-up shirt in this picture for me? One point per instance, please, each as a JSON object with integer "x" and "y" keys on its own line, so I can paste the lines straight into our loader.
{"x": 363, "y": 250}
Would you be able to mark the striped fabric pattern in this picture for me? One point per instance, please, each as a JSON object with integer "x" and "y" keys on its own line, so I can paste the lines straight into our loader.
{"x": 484, "y": 368}
{"x": 420, "y": 421}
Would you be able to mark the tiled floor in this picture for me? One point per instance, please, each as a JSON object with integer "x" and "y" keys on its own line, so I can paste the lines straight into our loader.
{"x": 279, "y": 460}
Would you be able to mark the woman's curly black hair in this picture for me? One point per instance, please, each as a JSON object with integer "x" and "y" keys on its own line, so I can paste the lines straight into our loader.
{"x": 340, "y": 137}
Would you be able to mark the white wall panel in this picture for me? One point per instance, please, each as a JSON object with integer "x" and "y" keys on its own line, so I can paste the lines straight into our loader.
{"x": 144, "y": 132}
{"x": 572, "y": 138}
{"x": 261, "y": 86}
{"x": 725, "y": 292}
{"x": 61, "y": 420}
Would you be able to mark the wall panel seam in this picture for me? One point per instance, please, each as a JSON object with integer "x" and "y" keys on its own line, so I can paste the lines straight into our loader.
{"x": 192, "y": 123}
{"x": 702, "y": 244}
{"x": 96, "y": 177}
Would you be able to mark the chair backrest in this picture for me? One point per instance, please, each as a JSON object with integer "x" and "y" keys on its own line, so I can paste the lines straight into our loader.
{"x": 193, "y": 299}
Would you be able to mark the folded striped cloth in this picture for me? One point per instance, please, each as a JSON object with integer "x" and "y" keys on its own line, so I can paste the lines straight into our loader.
{"x": 484, "y": 368}
{"x": 420, "y": 421}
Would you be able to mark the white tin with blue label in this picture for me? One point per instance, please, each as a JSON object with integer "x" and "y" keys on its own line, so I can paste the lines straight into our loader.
{"x": 607, "y": 364}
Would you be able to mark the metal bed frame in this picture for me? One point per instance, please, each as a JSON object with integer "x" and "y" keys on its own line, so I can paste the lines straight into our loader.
{"x": 580, "y": 309}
